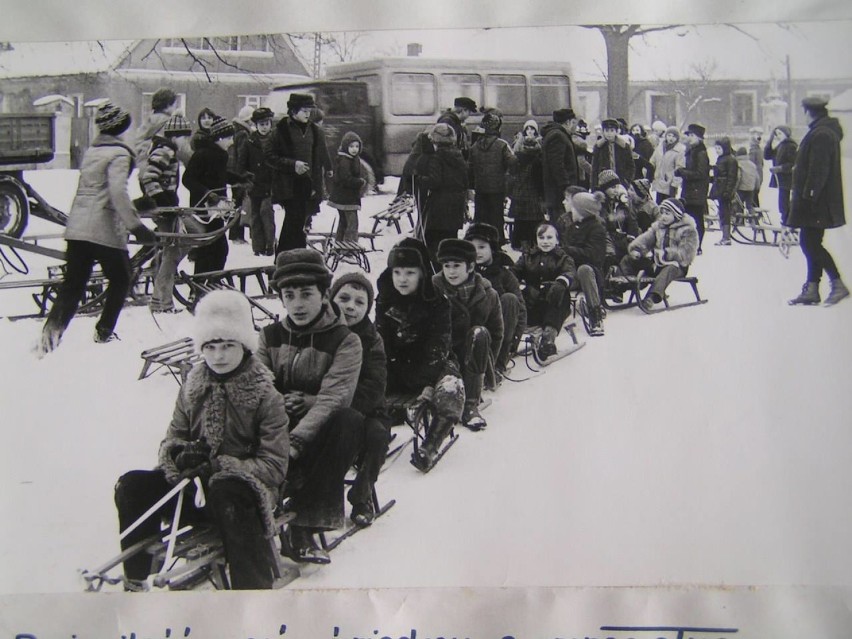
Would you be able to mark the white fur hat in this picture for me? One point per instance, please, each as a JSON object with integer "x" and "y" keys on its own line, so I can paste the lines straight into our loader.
{"x": 224, "y": 315}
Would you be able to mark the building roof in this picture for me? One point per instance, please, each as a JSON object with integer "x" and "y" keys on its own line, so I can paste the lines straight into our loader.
{"x": 37, "y": 59}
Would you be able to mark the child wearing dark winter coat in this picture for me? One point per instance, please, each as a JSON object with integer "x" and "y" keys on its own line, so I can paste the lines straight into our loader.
{"x": 620, "y": 219}
{"x": 315, "y": 360}
{"x": 414, "y": 322}
{"x": 353, "y": 294}
{"x": 202, "y": 133}
{"x": 612, "y": 151}
{"x": 673, "y": 240}
{"x": 443, "y": 177}
{"x": 724, "y": 189}
{"x": 253, "y": 162}
{"x": 229, "y": 435}
{"x": 546, "y": 273}
{"x": 477, "y": 321}
{"x": 346, "y": 186}
{"x": 527, "y": 195}
{"x": 491, "y": 158}
{"x": 496, "y": 267}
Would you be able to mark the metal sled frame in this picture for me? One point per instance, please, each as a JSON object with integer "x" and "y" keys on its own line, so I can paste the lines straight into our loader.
{"x": 641, "y": 281}
{"x": 419, "y": 420}
{"x": 530, "y": 341}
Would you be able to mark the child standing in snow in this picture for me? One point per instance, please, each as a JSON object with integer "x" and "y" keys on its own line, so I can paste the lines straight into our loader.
{"x": 353, "y": 294}
{"x": 667, "y": 157}
{"x": 414, "y": 322}
{"x": 527, "y": 207}
{"x": 673, "y": 240}
{"x": 253, "y": 162}
{"x": 724, "y": 189}
{"x": 346, "y": 187}
{"x": 547, "y": 273}
{"x": 229, "y": 429}
{"x": 749, "y": 178}
{"x": 490, "y": 159}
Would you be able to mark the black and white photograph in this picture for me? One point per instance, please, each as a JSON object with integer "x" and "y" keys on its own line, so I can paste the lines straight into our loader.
{"x": 547, "y": 315}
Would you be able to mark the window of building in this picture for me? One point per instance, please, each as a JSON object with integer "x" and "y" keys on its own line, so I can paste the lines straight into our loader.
{"x": 507, "y": 92}
{"x": 253, "y": 101}
{"x": 743, "y": 108}
{"x": 233, "y": 44}
{"x": 413, "y": 94}
{"x": 549, "y": 93}
{"x": 663, "y": 107}
{"x": 456, "y": 85}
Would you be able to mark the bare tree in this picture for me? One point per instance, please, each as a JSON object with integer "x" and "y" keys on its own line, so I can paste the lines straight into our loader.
{"x": 692, "y": 92}
{"x": 313, "y": 49}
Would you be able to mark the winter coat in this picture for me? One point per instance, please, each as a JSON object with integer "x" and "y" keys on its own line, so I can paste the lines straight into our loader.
{"x": 749, "y": 177}
{"x": 559, "y": 164}
{"x": 347, "y": 181}
{"x": 444, "y": 174}
{"x": 783, "y": 157}
{"x": 585, "y": 242}
{"x": 614, "y": 156}
{"x": 725, "y": 174}
{"x": 369, "y": 395}
{"x": 621, "y": 225}
{"x": 244, "y": 422}
{"x": 503, "y": 280}
{"x": 101, "y": 212}
{"x": 695, "y": 174}
{"x": 208, "y": 171}
{"x": 482, "y": 308}
{"x": 817, "y": 198}
{"x": 143, "y": 141}
{"x": 679, "y": 241}
{"x": 490, "y": 159}
{"x": 322, "y": 359}
{"x": 755, "y": 154}
{"x": 417, "y": 334}
{"x": 463, "y": 141}
{"x": 527, "y": 186}
{"x": 281, "y": 154}
{"x": 643, "y": 150}
{"x": 537, "y": 269}
{"x": 666, "y": 160}
{"x": 254, "y": 161}
{"x": 160, "y": 173}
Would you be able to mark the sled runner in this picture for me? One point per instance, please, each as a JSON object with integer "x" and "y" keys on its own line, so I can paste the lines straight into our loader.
{"x": 403, "y": 205}
{"x": 641, "y": 281}
{"x": 530, "y": 345}
{"x": 351, "y": 528}
{"x": 419, "y": 413}
{"x": 756, "y": 229}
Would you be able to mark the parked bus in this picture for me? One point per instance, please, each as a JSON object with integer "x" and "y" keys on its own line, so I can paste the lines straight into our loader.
{"x": 390, "y": 100}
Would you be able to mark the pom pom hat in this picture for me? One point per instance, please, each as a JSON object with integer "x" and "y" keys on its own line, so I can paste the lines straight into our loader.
{"x": 224, "y": 316}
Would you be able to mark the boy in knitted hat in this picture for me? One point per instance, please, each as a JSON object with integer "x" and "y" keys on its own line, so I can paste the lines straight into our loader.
{"x": 496, "y": 267}
{"x": 253, "y": 161}
{"x": 491, "y": 158}
{"x": 612, "y": 152}
{"x": 228, "y": 430}
{"x": 160, "y": 181}
{"x": 477, "y": 321}
{"x": 547, "y": 273}
{"x": 315, "y": 360}
{"x": 666, "y": 250}
{"x": 346, "y": 186}
{"x": 100, "y": 218}
{"x": 298, "y": 156}
{"x": 414, "y": 322}
{"x": 443, "y": 177}
{"x": 585, "y": 242}
{"x": 353, "y": 294}
{"x": 618, "y": 216}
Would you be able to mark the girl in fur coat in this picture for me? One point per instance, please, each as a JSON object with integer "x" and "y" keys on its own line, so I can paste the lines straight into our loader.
{"x": 346, "y": 186}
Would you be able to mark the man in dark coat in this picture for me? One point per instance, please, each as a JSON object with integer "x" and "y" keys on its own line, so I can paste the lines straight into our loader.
{"x": 781, "y": 149}
{"x": 817, "y": 202}
{"x": 559, "y": 160}
{"x": 696, "y": 177}
{"x": 298, "y": 156}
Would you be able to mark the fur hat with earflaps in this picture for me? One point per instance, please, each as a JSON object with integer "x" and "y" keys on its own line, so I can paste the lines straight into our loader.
{"x": 454, "y": 250}
{"x": 224, "y": 316}
{"x": 300, "y": 267}
{"x": 485, "y": 232}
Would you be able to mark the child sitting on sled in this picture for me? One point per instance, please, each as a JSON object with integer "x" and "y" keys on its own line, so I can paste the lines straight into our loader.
{"x": 666, "y": 250}
{"x": 229, "y": 429}
{"x": 547, "y": 273}
{"x": 414, "y": 322}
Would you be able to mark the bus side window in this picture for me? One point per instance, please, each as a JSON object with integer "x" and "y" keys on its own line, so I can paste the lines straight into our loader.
{"x": 413, "y": 94}
{"x": 507, "y": 92}
{"x": 454, "y": 85}
{"x": 549, "y": 93}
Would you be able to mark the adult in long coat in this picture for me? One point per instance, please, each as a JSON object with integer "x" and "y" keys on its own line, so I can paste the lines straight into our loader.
{"x": 559, "y": 160}
{"x": 696, "y": 178}
{"x": 781, "y": 149}
{"x": 817, "y": 202}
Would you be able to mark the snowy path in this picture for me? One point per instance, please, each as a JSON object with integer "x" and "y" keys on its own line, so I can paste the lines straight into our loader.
{"x": 709, "y": 445}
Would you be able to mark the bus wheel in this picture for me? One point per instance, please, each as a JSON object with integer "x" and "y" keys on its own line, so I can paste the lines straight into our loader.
{"x": 14, "y": 210}
{"x": 369, "y": 177}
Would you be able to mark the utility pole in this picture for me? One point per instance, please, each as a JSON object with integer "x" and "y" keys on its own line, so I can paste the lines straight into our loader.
{"x": 789, "y": 92}
{"x": 317, "y": 54}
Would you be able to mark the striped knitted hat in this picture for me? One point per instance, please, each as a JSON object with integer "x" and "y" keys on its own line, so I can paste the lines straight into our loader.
{"x": 111, "y": 119}
{"x": 177, "y": 125}
{"x": 221, "y": 128}
{"x": 673, "y": 206}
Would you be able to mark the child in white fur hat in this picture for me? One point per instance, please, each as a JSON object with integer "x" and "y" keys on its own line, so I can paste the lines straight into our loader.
{"x": 230, "y": 429}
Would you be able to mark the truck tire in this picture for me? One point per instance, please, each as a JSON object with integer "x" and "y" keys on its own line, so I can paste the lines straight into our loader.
{"x": 369, "y": 176}
{"x": 14, "y": 209}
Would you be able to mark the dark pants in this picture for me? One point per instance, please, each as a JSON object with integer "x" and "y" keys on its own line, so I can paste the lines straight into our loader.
{"x": 818, "y": 258}
{"x": 262, "y": 225}
{"x": 316, "y": 476}
{"x": 523, "y": 234}
{"x": 748, "y": 199}
{"x": 725, "y": 207}
{"x": 510, "y": 306}
{"x": 488, "y": 209}
{"x": 211, "y": 257}
{"x": 370, "y": 460}
{"x": 784, "y": 204}
{"x": 296, "y": 214}
{"x": 231, "y": 505}
{"x": 477, "y": 349}
{"x": 549, "y": 306}
{"x": 80, "y": 259}
{"x": 697, "y": 211}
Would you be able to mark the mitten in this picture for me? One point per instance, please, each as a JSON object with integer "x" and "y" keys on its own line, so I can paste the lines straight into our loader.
{"x": 194, "y": 454}
{"x": 144, "y": 203}
{"x": 212, "y": 199}
{"x": 144, "y": 235}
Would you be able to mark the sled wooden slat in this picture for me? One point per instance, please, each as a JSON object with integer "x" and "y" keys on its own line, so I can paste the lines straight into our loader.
{"x": 177, "y": 357}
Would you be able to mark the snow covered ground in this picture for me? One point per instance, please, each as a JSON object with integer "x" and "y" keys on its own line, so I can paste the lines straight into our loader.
{"x": 709, "y": 445}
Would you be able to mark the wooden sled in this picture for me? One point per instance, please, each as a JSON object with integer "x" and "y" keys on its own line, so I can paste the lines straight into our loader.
{"x": 530, "y": 343}
{"x": 641, "y": 281}
{"x": 403, "y": 205}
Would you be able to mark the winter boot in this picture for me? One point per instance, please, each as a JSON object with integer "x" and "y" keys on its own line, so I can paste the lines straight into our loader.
{"x": 547, "y": 344}
{"x": 298, "y": 544}
{"x": 423, "y": 458}
{"x": 809, "y": 294}
{"x": 837, "y": 293}
{"x": 471, "y": 417}
{"x": 596, "y": 328}
{"x": 726, "y": 236}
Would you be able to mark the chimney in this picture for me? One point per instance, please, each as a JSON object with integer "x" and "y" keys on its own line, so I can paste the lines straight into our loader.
{"x": 414, "y": 49}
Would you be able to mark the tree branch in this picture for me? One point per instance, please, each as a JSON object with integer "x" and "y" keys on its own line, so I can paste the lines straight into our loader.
{"x": 196, "y": 60}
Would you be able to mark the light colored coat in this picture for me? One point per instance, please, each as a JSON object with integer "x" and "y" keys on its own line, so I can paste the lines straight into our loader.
{"x": 665, "y": 162}
{"x": 679, "y": 241}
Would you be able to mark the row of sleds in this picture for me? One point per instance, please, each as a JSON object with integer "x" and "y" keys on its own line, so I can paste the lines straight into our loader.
{"x": 753, "y": 227}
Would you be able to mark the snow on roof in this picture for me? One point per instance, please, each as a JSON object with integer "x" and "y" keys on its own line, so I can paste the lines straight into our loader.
{"x": 35, "y": 59}
{"x": 841, "y": 102}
